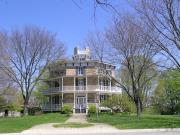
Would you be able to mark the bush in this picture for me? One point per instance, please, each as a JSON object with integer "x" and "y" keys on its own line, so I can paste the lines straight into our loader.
{"x": 119, "y": 104}
{"x": 34, "y": 110}
{"x": 92, "y": 109}
{"x": 177, "y": 108}
{"x": 67, "y": 109}
{"x": 8, "y": 107}
{"x": 150, "y": 110}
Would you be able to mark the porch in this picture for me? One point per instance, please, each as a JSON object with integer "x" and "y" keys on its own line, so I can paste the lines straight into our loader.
{"x": 88, "y": 88}
{"x": 79, "y": 104}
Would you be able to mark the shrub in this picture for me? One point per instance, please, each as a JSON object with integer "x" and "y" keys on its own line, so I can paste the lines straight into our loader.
{"x": 150, "y": 110}
{"x": 34, "y": 110}
{"x": 92, "y": 109}
{"x": 67, "y": 109}
{"x": 119, "y": 104}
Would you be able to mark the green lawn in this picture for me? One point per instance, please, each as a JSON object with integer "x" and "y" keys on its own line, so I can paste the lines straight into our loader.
{"x": 132, "y": 122}
{"x": 73, "y": 125}
{"x": 18, "y": 124}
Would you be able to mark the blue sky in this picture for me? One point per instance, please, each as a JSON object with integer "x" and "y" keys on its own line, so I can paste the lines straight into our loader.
{"x": 70, "y": 22}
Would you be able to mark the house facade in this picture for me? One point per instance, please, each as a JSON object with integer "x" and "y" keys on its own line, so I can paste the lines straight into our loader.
{"x": 79, "y": 82}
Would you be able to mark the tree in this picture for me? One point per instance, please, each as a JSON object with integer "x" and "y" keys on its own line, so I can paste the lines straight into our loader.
{"x": 120, "y": 103}
{"x": 29, "y": 51}
{"x": 39, "y": 98}
{"x": 97, "y": 44}
{"x": 10, "y": 99}
{"x": 2, "y": 102}
{"x": 133, "y": 51}
{"x": 164, "y": 17}
{"x": 167, "y": 93}
{"x": 5, "y": 81}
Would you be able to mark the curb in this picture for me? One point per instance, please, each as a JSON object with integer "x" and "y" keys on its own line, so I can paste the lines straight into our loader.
{"x": 151, "y": 130}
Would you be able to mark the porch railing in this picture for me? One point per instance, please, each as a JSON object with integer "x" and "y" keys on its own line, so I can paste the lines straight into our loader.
{"x": 51, "y": 107}
{"x": 56, "y": 90}
{"x": 92, "y": 101}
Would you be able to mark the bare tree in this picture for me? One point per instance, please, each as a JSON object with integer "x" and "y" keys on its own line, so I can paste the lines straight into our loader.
{"x": 164, "y": 17}
{"x": 29, "y": 51}
{"x": 4, "y": 79}
{"x": 5, "y": 82}
{"x": 134, "y": 52}
{"x": 97, "y": 44}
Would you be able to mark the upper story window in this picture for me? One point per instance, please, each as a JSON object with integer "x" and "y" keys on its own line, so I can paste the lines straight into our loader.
{"x": 80, "y": 70}
{"x": 56, "y": 84}
{"x": 81, "y": 82}
{"x": 101, "y": 71}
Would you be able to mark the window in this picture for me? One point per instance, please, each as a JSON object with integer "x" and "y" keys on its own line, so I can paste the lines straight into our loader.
{"x": 80, "y": 71}
{"x": 101, "y": 83}
{"x": 81, "y": 82}
{"x": 103, "y": 97}
{"x": 55, "y": 100}
{"x": 109, "y": 72}
{"x": 56, "y": 84}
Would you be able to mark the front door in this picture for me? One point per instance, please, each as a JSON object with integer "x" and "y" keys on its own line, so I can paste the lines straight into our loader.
{"x": 80, "y": 103}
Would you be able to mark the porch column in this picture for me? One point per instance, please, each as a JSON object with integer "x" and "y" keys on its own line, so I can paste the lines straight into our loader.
{"x": 86, "y": 97}
{"x": 51, "y": 97}
{"x": 74, "y": 108}
{"x": 110, "y": 84}
{"x": 110, "y": 89}
{"x": 99, "y": 102}
{"x": 98, "y": 81}
{"x": 59, "y": 95}
{"x": 62, "y": 96}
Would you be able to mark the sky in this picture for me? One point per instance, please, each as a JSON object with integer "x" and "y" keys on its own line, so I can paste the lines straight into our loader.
{"x": 71, "y": 20}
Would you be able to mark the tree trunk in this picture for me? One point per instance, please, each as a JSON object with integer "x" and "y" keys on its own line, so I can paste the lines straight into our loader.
{"x": 25, "y": 108}
{"x": 141, "y": 106}
{"x": 138, "y": 108}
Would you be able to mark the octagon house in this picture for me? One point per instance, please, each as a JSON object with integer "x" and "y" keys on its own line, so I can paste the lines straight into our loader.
{"x": 79, "y": 82}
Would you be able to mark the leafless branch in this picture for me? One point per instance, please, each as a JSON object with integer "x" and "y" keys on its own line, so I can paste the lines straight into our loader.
{"x": 29, "y": 51}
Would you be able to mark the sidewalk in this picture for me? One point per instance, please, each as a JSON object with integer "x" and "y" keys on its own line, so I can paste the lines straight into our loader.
{"x": 77, "y": 118}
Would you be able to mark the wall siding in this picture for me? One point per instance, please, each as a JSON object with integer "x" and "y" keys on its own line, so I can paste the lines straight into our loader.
{"x": 70, "y": 72}
{"x": 91, "y": 71}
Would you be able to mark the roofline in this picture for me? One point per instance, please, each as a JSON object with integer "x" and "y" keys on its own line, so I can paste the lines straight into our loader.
{"x": 68, "y": 61}
{"x": 86, "y": 61}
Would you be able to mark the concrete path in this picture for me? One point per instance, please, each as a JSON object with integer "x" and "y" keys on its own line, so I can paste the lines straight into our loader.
{"x": 77, "y": 118}
{"x": 48, "y": 129}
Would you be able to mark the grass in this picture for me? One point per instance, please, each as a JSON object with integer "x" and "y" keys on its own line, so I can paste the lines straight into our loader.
{"x": 73, "y": 125}
{"x": 132, "y": 122}
{"x": 18, "y": 124}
